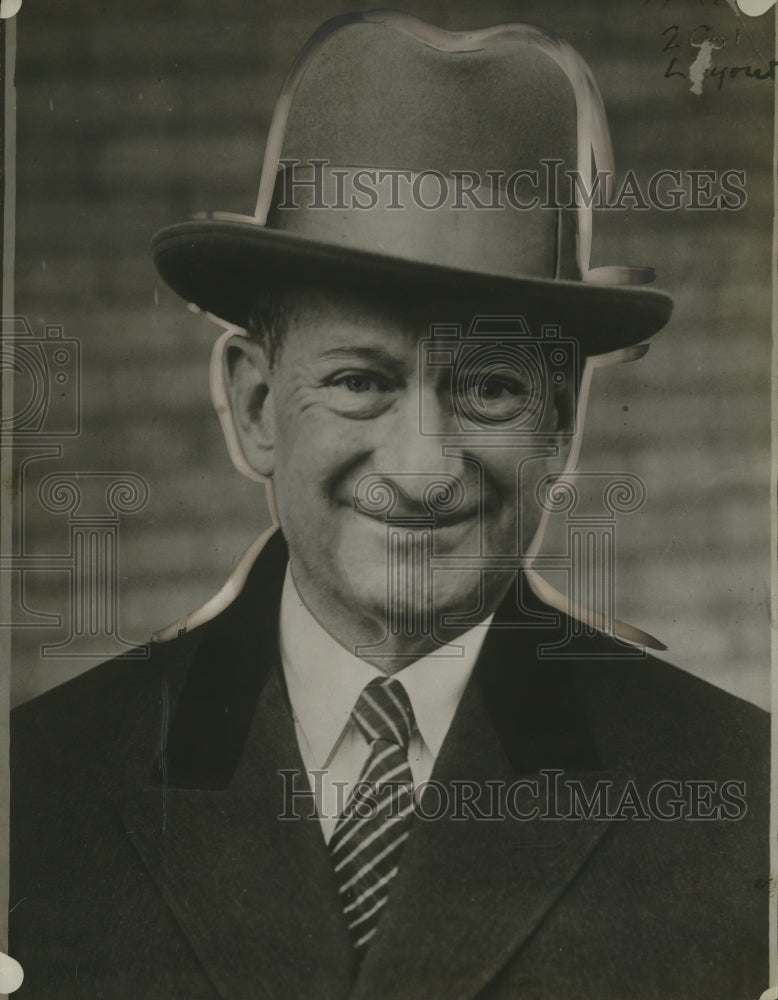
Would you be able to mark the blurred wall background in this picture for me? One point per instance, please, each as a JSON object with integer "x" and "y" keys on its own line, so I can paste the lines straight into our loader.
{"x": 135, "y": 115}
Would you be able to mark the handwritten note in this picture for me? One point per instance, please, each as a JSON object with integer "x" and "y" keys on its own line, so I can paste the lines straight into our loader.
{"x": 694, "y": 61}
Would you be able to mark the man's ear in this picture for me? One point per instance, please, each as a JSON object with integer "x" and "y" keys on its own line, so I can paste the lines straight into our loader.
{"x": 246, "y": 379}
{"x": 565, "y": 406}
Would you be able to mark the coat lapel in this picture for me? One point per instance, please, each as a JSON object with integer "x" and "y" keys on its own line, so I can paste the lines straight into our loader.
{"x": 254, "y": 894}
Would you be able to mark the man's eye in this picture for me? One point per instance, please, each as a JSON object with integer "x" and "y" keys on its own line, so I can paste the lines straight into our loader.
{"x": 496, "y": 395}
{"x": 361, "y": 382}
{"x": 488, "y": 388}
{"x": 500, "y": 388}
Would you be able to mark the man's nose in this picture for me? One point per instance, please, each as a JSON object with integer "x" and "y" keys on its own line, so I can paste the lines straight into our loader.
{"x": 420, "y": 426}
{"x": 415, "y": 467}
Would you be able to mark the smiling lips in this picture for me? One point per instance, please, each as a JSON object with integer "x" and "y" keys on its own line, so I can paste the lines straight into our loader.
{"x": 430, "y": 510}
{"x": 418, "y": 517}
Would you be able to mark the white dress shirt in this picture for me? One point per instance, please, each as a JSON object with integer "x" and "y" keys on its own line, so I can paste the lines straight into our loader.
{"x": 324, "y": 681}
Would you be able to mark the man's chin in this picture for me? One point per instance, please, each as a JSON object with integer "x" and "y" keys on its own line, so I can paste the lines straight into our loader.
{"x": 408, "y": 602}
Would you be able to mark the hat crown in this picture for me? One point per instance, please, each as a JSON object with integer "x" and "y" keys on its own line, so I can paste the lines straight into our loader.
{"x": 384, "y": 88}
{"x": 376, "y": 95}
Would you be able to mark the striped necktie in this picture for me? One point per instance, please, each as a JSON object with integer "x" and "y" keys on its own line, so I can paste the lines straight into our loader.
{"x": 369, "y": 836}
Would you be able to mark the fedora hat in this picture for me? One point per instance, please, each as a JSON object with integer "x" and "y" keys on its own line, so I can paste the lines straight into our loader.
{"x": 419, "y": 161}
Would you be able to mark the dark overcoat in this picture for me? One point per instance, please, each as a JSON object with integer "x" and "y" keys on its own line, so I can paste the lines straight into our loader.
{"x": 149, "y": 860}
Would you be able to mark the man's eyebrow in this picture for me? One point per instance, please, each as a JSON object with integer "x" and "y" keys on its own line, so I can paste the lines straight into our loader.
{"x": 374, "y": 354}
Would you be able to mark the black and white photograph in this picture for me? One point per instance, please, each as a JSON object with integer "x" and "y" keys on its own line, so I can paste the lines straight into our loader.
{"x": 388, "y": 553}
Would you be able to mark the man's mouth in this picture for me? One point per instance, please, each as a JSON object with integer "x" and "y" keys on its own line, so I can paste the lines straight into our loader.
{"x": 415, "y": 516}
{"x": 442, "y": 502}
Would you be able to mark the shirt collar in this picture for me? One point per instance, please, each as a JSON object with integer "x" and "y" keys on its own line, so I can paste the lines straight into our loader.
{"x": 324, "y": 679}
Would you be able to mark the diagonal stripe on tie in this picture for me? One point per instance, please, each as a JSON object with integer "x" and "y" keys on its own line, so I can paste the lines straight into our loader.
{"x": 371, "y": 833}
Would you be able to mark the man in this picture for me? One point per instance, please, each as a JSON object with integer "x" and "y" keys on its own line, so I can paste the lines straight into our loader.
{"x": 378, "y": 765}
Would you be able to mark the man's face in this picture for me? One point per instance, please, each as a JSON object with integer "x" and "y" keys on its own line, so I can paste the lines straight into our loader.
{"x": 394, "y": 471}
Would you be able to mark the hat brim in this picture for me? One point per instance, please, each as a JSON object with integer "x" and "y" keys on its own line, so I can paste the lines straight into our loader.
{"x": 221, "y": 266}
